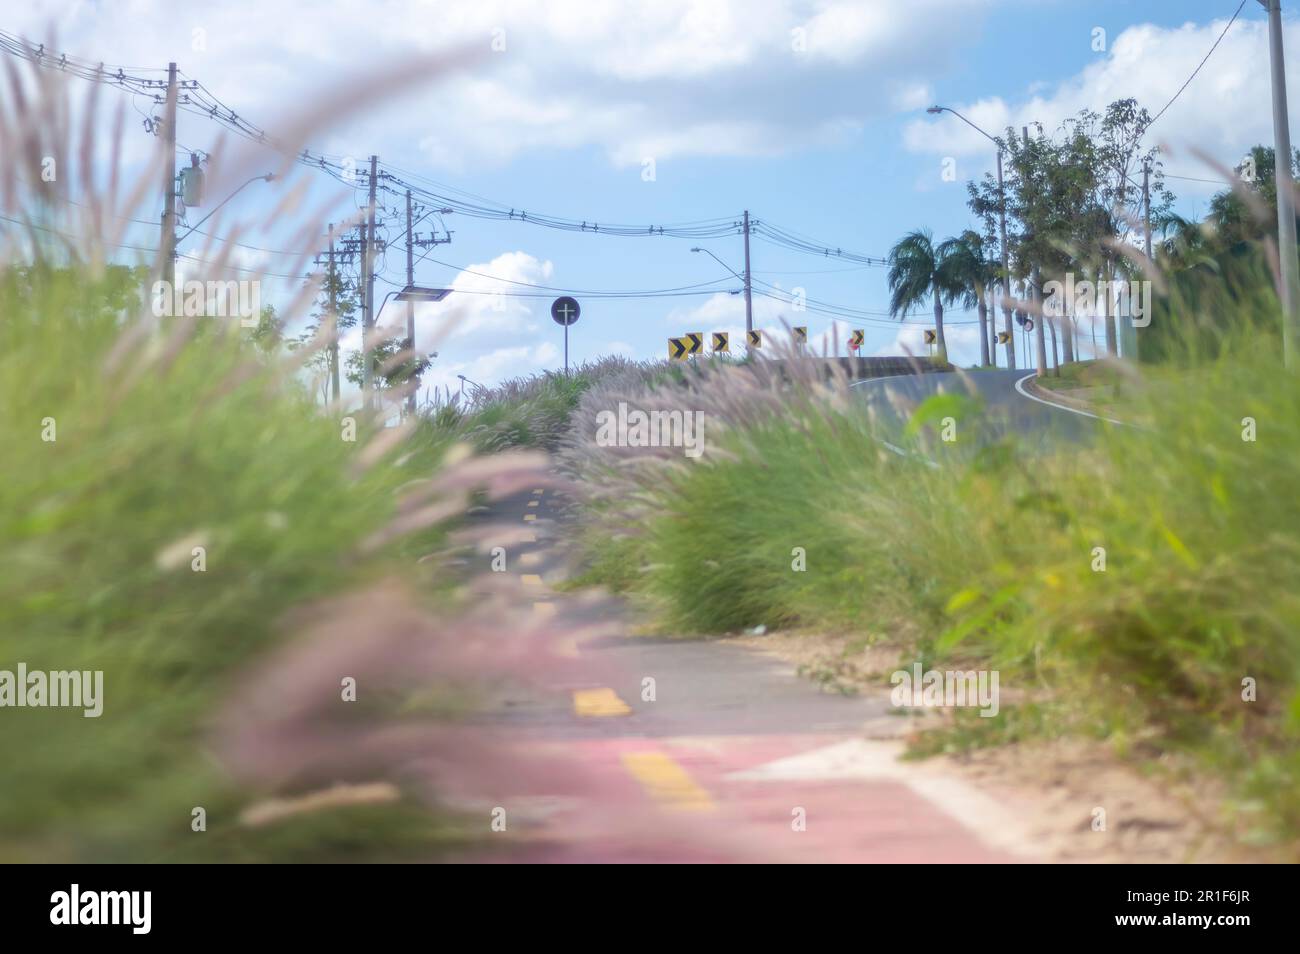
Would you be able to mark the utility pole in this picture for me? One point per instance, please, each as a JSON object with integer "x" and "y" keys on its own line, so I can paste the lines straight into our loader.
{"x": 410, "y": 305}
{"x": 749, "y": 298}
{"x": 1006, "y": 267}
{"x": 1040, "y": 339}
{"x": 167, "y": 247}
{"x": 1128, "y": 333}
{"x": 368, "y": 274}
{"x": 334, "y": 317}
{"x": 1289, "y": 292}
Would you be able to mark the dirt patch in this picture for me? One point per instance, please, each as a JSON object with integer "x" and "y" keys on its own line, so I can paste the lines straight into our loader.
{"x": 1075, "y": 799}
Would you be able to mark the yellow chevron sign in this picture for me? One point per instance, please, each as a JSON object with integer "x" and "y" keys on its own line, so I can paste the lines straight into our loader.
{"x": 1004, "y": 337}
{"x": 801, "y": 335}
{"x": 856, "y": 339}
{"x": 722, "y": 342}
{"x": 930, "y": 336}
{"x": 695, "y": 341}
{"x": 677, "y": 349}
{"x": 755, "y": 339}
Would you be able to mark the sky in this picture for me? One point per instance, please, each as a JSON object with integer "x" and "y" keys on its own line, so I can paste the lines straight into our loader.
{"x": 810, "y": 114}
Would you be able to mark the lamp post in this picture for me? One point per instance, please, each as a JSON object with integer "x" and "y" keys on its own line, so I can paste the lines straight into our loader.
{"x": 411, "y": 293}
{"x": 1002, "y": 229}
{"x": 264, "y": 178}
{"x": 464, "y": 381}
{"x": 1289, "y": 284}
{"x": 749, "y": 312}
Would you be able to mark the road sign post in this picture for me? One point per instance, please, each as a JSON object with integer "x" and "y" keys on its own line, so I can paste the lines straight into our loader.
{"x": 565, "y": 311}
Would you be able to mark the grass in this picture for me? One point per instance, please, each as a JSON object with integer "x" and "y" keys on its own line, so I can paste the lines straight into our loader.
{"x": 532, "y": 411}
{"x": 177, "y": 513}
{"x": 990, "y": 558}
{"x": 154, "y": 450}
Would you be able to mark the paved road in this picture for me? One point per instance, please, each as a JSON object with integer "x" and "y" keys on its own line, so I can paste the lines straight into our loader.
{"x": 683, "y": 750}
{"x": 1004, "y": 410}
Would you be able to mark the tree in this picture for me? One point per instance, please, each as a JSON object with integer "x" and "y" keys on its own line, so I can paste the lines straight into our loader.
{"x": 390, "y": 369}
{"x": 346, "y": 296}
{"x": 969, "y": 266}
{"x": 917, "y": 270}
{"x": 268, "y": 334}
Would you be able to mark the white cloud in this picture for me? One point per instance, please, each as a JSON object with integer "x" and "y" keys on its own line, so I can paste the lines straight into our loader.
{"x": 1226, "y": 109}
{"x": 633, "y": 78}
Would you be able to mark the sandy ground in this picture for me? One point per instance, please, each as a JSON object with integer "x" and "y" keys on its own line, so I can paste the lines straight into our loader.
{"x": 1059, "y": 788}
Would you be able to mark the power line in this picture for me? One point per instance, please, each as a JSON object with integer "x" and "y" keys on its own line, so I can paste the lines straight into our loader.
{"x": 1198, "y": 67}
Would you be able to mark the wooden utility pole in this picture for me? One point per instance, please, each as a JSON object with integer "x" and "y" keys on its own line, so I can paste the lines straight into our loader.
{"x": 410, "y": 306}
{"x": 1035, "y": 295}
{"x": 749, "y": 297}
{"x": 167, "y": 245}
{"x": 1289, "y": 284}
{"x": 368, "y": 274}
{"x": 334, "y": 317}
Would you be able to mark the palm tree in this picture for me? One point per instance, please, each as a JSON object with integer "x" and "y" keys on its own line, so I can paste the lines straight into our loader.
{"x": 965, "y": 261}
{"x": 1184, "y": 243}
{"x": 918, "y": 270}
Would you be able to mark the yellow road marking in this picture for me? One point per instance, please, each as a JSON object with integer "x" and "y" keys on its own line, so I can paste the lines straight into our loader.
{"x": 529, "y": 538}
{"x": 530, "y": 516}
{"x": 599, "y": 702}
{"x": 667, "y": 782}
{"x": 531, "y": 579}
{"x": 532, "y": 503}
{"x": 530, "y": 559}
{"x": 538, "y": 493}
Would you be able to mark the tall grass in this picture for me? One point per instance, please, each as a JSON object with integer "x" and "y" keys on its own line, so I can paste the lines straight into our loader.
{"x": 177, "y": 513}
{"x": 986, "y": 555}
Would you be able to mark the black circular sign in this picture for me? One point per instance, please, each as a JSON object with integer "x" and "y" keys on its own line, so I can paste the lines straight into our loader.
{"x": 565, "y": 310}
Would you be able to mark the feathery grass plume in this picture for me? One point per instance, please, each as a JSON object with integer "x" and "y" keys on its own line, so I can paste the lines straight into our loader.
{"x": 179, "y": 514}
{"x": 981, "y": 552}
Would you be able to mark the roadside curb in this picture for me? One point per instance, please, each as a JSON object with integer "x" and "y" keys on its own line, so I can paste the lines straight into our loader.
{"x": 1027, "y": 387}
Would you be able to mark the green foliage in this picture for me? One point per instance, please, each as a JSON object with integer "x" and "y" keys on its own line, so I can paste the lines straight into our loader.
{"x": 159, "y": 447}
{"x": 990, "y": 555}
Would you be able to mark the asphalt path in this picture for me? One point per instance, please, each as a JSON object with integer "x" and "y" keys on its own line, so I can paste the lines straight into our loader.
{"x": 703, "y": 750}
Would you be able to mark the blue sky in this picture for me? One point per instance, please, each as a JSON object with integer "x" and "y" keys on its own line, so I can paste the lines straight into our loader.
{"x": 830, "y": 140}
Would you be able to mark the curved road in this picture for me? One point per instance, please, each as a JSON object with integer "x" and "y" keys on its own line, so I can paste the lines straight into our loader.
{"x": 729, "y": 755}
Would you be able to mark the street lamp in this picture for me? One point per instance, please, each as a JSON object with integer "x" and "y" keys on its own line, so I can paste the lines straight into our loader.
{"x": 411, "y": 293}
{"x": 1002, "y": 230}
{"x": 464, "y": 380}
{"x": 749, "y": 320}
{"x": 265, "y": 178}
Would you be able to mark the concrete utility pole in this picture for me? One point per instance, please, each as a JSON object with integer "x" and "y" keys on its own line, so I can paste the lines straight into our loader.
{"x": 1289, "y": 292}
{"x": 749, "y": 298}
{"x": 1040, "y": 339}
{"x": 167, "y": 247}
{"x": 1006, "y": 268}
{"x": 410, "y": 305}
{"x": 368, "y": 272}
{"x": 334, "y": 317}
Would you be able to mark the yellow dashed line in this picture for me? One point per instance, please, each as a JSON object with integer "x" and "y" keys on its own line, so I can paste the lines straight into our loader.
{"x": 667, "y": 782}
{"x": 530, "y": 559}
{"x": 538, "y": 493}
{"x": 532, "y": 503}
{"x": 531, "y": 579}
{"x": 530, "y": 516}
{"x": 599, "y": 702}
